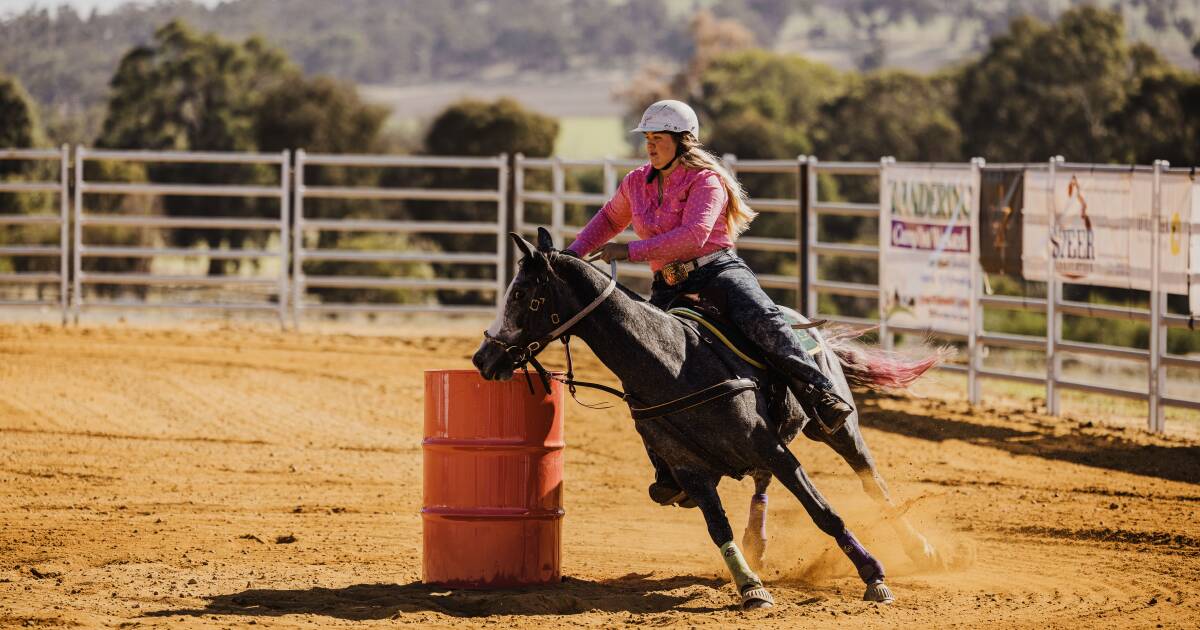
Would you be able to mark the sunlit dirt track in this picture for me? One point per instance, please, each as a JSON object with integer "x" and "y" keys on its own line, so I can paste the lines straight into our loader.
{"x": 153, "y": 477}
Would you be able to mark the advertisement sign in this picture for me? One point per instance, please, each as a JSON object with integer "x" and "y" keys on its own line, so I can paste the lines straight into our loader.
{"x": 1099, "y": 226}
{"x": 1000, "y": 220}
{"x": 926, "y": 251}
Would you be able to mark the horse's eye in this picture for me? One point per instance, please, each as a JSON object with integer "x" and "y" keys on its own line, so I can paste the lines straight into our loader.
{"x": 516, "y": 295}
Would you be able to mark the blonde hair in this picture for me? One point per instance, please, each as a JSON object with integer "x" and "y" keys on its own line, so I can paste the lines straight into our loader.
{"x": 738, "y": 213}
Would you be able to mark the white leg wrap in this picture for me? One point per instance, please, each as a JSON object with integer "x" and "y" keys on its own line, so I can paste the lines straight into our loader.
{"x": 742, "y": 575}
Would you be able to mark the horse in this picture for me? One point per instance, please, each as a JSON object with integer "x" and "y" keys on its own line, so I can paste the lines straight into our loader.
{"x": 703, "y": 427}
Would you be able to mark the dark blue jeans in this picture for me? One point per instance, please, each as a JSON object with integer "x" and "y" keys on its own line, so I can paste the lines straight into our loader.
{"x": 730, "y": 284}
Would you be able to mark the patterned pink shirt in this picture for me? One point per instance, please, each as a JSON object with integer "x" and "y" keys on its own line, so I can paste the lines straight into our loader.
{"x": 688, "y": 224}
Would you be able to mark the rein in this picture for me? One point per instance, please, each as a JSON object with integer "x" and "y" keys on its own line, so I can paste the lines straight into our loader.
{"x": 523, "y": 356}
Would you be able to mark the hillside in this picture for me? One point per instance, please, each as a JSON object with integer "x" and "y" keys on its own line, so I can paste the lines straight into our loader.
{"x": 66, "y": 59}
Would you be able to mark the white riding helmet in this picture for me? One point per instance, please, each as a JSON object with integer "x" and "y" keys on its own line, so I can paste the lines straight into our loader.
{"x": 669, "y": 116}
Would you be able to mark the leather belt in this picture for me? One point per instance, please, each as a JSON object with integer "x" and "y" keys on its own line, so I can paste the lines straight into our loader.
{"x": 676, "y": 272}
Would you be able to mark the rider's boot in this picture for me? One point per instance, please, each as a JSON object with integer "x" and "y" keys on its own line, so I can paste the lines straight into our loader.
{"x": 665, "y": 490}
{"x": 823, "y": 405}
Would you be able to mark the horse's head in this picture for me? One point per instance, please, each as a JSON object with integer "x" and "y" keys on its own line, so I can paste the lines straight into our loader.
{"x": 535, "y": 304}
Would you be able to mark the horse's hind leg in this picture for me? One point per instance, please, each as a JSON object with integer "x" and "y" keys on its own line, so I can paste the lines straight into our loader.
{"x": 787, "y": 469}
{"x": 754, "y": 539}
{"x": 703, "y": 490}
{"x": 850, "y": 445}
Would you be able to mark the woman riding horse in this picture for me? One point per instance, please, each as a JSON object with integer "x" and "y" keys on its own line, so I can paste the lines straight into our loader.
{"x": 688, "y": 211}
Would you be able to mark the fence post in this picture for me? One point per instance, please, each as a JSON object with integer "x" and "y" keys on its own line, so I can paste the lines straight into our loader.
{"x": 557, "y": 209}
{"x": 885, "y": 337}
{"x": 975, "y": 310}
{"x": 504, "y": 222}
{"x": 298, "y": 243}
{"x": 1157, "y": 421}
{"x": 1053, "y": 288}
{"x": 803, "y": 247}
{"x": 64, "y": 242}
{"x": 77, "y": 262}
{"x": 285, "y": 186}
{"x": 518, "y": 210}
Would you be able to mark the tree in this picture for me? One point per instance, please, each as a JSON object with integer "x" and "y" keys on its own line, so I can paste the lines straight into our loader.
{"x": 19, "y": 126}
{"x": 19, "y": 129}
{"x": 196, "y": 92}
{"x": 472, "y": 127}
{"x": 901, "y": 114}
{"x": 1044, "y": 90}
{"x": 477, "y": 128}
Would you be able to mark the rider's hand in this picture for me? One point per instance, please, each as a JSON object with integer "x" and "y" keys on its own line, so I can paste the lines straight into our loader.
{"x": 614, "y": 251}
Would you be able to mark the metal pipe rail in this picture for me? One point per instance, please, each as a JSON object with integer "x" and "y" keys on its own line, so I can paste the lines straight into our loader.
{"x": 82, "y": 219}
{"x": 58, "y": 250}
{"x": 302, "y": 224}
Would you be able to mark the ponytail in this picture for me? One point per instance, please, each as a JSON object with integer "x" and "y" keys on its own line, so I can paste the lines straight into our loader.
{"x": 693, "y": 155}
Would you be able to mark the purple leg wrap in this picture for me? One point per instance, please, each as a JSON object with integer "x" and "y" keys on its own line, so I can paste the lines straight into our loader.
{"x": 758, "y": 512}
{"x": 868, "y": 567}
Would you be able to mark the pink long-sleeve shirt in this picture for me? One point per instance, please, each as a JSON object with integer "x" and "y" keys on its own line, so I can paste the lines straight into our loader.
{"x": 688, "y": 224}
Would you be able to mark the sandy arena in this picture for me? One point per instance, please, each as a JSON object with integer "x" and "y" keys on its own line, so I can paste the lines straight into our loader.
{"x": 229, "y": 476}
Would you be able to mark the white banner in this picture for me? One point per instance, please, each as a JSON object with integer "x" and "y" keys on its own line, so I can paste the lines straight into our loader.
{"x": 1178, "y": 208}
{"x": 1194, "y": 264}
{"x": 1100, "y": 229}
{"x": 927, "y": 249}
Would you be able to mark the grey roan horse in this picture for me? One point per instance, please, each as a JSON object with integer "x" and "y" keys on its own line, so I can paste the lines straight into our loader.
{"x": 659, "y": 358}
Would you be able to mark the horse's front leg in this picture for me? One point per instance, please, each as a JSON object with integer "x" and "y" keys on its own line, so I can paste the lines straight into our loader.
{"x": 703, "y": 490}
{"x": 754, "y": 539}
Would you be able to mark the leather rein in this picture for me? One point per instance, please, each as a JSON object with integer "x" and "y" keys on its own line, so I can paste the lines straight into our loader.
{"x": 523, "y": 356}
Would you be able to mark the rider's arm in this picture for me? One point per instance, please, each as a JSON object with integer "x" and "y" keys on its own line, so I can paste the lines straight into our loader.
{"x": 705, "y": 203}
{"x": 614, "y": 217}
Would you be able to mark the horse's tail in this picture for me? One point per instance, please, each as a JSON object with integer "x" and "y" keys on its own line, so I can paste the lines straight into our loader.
{"x": 876, "y": 368}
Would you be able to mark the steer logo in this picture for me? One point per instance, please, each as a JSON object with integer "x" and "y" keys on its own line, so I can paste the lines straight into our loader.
{"x": 1176, "y": 234}
{"x": 1072, "y": 238}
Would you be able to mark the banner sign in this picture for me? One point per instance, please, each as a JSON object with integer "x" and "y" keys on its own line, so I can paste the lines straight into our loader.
{"x": 1000, "y": 220}
{"x": 1187, "y": 231}
{"x": 926, "y": 252}
{"x": 1099, "y": 230}
{"x": 1178, "y": 210}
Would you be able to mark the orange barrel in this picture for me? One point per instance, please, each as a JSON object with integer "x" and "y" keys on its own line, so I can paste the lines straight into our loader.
{"x": 493, "y": 481}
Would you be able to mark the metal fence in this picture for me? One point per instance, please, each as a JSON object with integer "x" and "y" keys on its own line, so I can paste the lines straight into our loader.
{"x": 276, "y": 285}
{"x": 560, "y": 195}
{"x": 812, "y": 204}
{"x": 26, "y": 247}
{"x": 305, "y": 227}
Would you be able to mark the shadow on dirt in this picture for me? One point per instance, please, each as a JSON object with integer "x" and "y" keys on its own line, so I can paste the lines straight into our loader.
{"x": 1100, "y": 447}
{"x": 635, "y": 593}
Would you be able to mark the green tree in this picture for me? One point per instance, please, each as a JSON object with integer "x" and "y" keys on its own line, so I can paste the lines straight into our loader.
{"x": 901, "y": 114}
{"x": 477, "y": 128}
{"x": 472, "y": 127}
{"x": 20, "y": 129}
{"x": 196, "y": 92}
{"x": 1161, "y": 118}
{"x": 1044, "y": 90}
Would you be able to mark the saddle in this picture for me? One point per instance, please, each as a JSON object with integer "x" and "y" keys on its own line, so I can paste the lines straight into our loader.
{"x": 785, "y": 413}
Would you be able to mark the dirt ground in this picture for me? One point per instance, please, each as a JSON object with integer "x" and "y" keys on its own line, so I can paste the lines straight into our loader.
{"x": 154, "y": 477}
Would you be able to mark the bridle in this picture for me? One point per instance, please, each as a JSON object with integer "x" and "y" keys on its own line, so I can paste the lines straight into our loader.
{"x": 524, "y": 355}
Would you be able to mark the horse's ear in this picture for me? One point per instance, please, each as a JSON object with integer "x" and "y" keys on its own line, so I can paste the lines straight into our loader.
{"x": 545, "y": 243}
{"x": 522, "y": 244}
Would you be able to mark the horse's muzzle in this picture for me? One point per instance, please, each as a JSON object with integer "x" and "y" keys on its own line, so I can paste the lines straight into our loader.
{"x": 493, "y": 363}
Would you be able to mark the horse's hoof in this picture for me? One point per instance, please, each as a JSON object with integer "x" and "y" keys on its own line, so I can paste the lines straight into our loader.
{"x": 879, "y": 592}
{"x": 756, "y": 596}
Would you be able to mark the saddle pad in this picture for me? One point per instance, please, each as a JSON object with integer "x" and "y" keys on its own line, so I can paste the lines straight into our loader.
{"x": 737, "y": 342}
